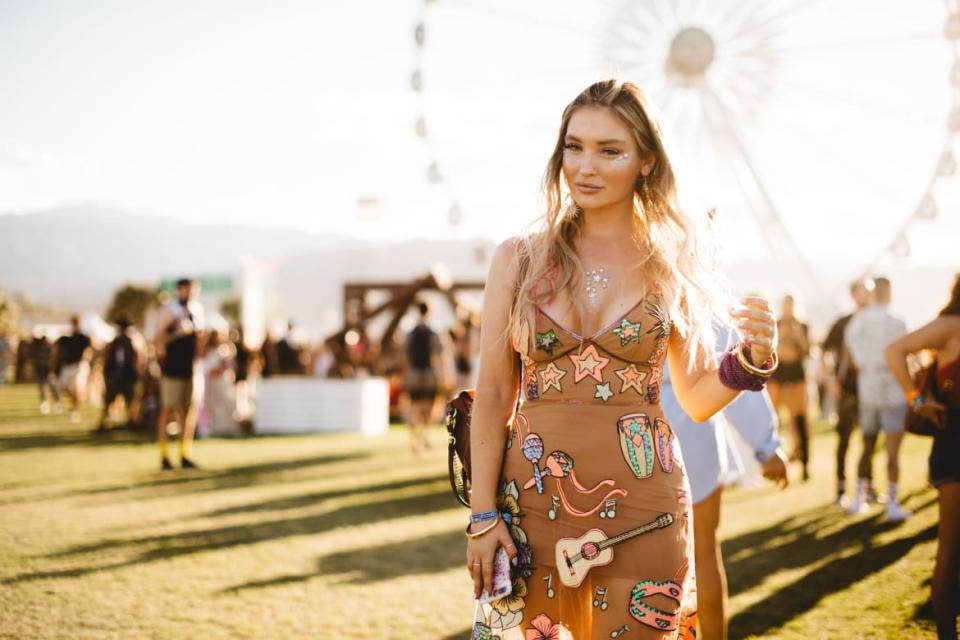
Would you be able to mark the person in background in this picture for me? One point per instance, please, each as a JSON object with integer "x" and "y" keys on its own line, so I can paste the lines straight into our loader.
{"x": 178, "y": 339}
{"x": 22, "y": 368}
{"x": 322, "y": 360}
{"x": 219, "y": 400}
{"x": 41, "y": 358}
{"x": 122, "y": 363}
{"x": 711, "y": 461}
{"x": 881, "y": 402}
{"x": 843, "y": 387}
{"x": 462, "y": 338}
{"x": 788, "y": 386}
{"x": 73, "y": 355}
{"x": 6, "y": 349}
{"x": 268, "y": 357}
{"x": 241, "y": 373}
{"x": 290, "y": 357}
{"x": 147, "y": 409}
{"x": 422, "y": 377}
{"x": 942, "y": 335}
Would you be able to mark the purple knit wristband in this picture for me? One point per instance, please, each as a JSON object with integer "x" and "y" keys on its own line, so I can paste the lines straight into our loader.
{"x": 733, "y": 376}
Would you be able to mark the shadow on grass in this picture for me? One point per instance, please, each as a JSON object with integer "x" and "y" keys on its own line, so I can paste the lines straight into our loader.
{"x": 803, "y": 595}
{"x": 792, "y": 543}
{"x": 460, "y": 635}
{"x": 195, "y": 480}
{"x": 73, "y": 438}
{"x": 230, "y": 477}
{"x": 802, "y": 547}
{"x": 165, "y": 547}
{"x": 310, "y": 499}
{"x": 426, "y": 555}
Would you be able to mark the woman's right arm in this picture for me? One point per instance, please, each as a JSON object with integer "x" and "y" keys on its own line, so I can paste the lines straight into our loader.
{"x": 933, "y": 335}
{"x": 496, "y": 397}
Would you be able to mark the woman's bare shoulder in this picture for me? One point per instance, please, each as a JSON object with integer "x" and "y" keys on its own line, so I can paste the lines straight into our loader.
{"x": 506, "y": 256}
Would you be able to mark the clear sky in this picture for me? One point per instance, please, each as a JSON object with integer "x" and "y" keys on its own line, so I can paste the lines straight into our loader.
{"x": 287, "y": 113}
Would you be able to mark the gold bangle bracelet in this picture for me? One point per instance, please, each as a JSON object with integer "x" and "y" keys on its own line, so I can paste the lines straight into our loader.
{"x": 483, "y": 531}
{"x": 749, "y": 366}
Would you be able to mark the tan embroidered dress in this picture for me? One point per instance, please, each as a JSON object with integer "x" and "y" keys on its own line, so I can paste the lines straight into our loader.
{"x": 594, "y": 489}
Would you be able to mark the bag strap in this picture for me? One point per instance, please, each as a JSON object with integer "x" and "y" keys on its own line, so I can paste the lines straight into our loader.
{"x": 455, "y": 470}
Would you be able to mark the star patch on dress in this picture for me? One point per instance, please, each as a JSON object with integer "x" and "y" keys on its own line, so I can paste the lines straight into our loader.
{"x": 603, "y": 391}
{"x": 628, "y": 332}
{"x": 550, "y": 376}
{"x": 547, "y": 340}
{"x": 632, "y": 378}
{"x": 589, "y": 363}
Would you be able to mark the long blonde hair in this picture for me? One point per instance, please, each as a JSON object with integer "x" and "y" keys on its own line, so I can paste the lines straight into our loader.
{"x": 679, "y": 263}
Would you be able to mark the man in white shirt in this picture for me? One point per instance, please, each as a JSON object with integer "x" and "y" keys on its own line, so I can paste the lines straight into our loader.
{"x": 881, "y": 400}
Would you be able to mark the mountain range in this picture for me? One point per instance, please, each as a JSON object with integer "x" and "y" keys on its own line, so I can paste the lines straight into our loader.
{"x": 75, "y": 256}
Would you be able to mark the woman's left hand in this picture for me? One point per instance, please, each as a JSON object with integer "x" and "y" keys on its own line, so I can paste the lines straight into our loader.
{"x": 758, "y": 326}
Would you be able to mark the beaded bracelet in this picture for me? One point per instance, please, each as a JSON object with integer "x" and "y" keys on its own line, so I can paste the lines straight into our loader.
{"x": 483, "y": 517}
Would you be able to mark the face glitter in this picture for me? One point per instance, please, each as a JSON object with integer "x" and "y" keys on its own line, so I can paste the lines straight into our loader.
{"x": 622, "y": 159}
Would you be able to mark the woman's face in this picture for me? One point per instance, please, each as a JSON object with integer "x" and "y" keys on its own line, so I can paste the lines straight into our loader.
{"x": 601, "y": 162}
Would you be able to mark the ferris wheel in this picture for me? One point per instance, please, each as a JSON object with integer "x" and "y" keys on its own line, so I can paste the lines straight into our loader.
{"x": 821, "y": 131}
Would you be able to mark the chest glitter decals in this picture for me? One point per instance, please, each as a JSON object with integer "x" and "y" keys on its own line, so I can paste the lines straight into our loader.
{"x": 596, "y": 280}
{"x": 588, "y": 363}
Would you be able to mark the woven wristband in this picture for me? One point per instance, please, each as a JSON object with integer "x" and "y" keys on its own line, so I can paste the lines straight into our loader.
{"x": 483, "y": 517}
{"x": 734, "y": 376}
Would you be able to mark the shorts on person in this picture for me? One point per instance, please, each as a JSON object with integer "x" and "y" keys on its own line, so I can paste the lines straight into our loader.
{"x": 176, "y": 393}
{"x": 421, "y": 384}
{"x": 73, "y": 378}
{"x": 115, "y": 386}
{"x": 889, "y": 419}
{"x": 945, "y": 458}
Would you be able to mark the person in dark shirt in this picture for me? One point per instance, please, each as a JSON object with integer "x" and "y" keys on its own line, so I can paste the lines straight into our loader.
{"x": 73, "y": 354}
{"x": 41, "y": 358}
{"x": 178, "y": 336}
{"x": 423, "y": 377}
{"x": 121, "y": 368}
{"x": 843, "y": 388}
{"x": 289, "y": 355}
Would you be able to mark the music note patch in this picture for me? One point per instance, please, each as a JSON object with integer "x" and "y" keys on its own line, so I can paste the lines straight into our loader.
{"x": 600, "y": 598}
{"x": 609, "y": 510}
{"x": 551, "y": 593}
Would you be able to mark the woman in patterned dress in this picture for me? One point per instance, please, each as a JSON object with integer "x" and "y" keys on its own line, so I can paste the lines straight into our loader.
{"x": 587, "y": 482}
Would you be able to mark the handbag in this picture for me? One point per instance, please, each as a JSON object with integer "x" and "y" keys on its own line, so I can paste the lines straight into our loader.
{"x": 458, "y": 449}
{"x": 946, "y": 393}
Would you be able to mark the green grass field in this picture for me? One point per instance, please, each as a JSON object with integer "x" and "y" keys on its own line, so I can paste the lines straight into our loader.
{"x": 350, "y": 537}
